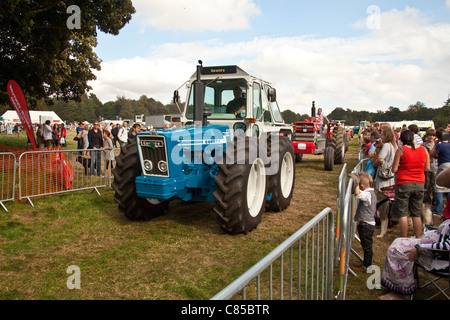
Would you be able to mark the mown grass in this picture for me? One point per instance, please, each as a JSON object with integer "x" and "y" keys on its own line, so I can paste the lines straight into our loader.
{"x": 181, "y": 255}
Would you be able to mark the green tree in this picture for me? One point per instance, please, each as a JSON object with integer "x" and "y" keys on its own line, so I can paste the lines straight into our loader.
{"x": 46, "y": 57}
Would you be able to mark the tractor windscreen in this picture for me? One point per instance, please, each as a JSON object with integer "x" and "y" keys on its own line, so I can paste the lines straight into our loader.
{"x": 226, "y": 98}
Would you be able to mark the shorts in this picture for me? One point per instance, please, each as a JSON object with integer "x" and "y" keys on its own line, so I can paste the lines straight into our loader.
{"x": 408, "y": 197}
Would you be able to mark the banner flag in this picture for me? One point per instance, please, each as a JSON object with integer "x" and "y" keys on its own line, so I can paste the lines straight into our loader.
{"x": 20, "y": 105}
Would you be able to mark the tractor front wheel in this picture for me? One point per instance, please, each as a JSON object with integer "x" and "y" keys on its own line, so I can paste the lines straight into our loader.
{"x": 329, "y": 159}
{"x": 127, "y": 169}
{"x": 339, "y": 145}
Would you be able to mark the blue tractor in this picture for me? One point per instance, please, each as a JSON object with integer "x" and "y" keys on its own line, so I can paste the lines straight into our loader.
{"x": 233, "y": 149}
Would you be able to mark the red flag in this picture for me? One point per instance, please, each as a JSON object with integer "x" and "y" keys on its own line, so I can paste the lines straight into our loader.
{"x": 20, "y": 105}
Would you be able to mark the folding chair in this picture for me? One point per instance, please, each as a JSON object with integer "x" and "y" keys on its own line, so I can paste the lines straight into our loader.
{"x": 433, "y": 275}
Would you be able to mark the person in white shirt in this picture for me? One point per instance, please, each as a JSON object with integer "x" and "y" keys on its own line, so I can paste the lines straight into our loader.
{"x": 122, "y": 136}
{"x": 48, "y": 134}
{"x": 415, "y": 129}
{"x": 365, "y": 217}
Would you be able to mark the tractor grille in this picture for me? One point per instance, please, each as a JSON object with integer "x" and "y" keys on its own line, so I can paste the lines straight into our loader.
{"x": 304, "y": 132}
{"x": 153, "y": 154}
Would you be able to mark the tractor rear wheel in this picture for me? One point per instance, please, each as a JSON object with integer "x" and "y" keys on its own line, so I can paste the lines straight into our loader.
{"x": 281, "y": 183}
{"x": 339, "y": 145}
{"x": 241, "y": 189}
{"x": 329, "y": 159}
{"x": 127, "y": 169}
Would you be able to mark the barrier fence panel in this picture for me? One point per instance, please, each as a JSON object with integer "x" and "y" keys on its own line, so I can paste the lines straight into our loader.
{"x": 43, "y": 173}
{"x": 342, "y": 182}
{"x": 7, "y": 177}
{"x": 299, "y": 268}
{"x": 347, "y": 237}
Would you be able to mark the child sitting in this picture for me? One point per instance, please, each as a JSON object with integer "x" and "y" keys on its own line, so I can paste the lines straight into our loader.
{"x": 365, "y": 217}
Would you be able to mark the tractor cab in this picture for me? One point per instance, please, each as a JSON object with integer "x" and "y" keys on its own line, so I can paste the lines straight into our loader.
{"x": 244, "y": 103}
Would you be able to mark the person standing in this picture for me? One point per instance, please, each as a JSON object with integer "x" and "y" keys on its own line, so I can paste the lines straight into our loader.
{"x": 415, "y": 129}
{"x": 410, "y": 163}
{"x": 63, "y": 135}
{"x": 79, "y": 131}
{"x": 48, "y": 134}
{"x": 56, "y": 135}
{"x": 96, "y": 143}
{"x": 136, "y": 128}
{"x": 430, "y": 178}
{"x": 320, "y": 117}
{"x": 122, "y": 136}
{"x": 365, "y": 217}
{"x": 109, "y": 151}
{"x": 85, "y": 140}
{"x": 441, "y": 151}
{"x": 114, "y": 131}
{"x": 385, "y": 158}
{"x": 40, "y": 136}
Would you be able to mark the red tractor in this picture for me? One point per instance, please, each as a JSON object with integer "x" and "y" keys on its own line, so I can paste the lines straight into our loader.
{"x": 310, "y": 138}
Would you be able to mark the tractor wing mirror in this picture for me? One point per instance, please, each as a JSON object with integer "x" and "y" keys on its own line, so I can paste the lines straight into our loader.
{"x": 272, "y": 95}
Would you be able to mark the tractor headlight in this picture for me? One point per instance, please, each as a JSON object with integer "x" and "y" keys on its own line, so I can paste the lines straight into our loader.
{"x": 162, "y": 166}
{"x": 148, "y": 165}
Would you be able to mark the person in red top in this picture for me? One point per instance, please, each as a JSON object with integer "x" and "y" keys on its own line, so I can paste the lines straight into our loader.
{"x": 410, "y": 163}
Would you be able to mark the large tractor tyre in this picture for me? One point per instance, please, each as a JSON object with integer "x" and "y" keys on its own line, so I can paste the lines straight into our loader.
{"x": 126, "y": 170}
{"x": 281, "y": 183}
{"x": 241, "y": 188}
{"x": 329, "y": 159}
{"x": 338, "y": 145}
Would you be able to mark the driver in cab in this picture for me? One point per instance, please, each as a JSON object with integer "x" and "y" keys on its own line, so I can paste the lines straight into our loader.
{"x": 236, "y": 105}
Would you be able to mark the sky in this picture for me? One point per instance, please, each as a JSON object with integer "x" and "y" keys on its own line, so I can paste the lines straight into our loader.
{"x": 358, "y": 55}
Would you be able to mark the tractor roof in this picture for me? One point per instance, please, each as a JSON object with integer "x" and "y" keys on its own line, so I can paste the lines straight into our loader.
{"x": 223, "y": 71}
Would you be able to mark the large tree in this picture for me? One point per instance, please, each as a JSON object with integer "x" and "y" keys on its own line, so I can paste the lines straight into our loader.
{"x": 44, "y": 50}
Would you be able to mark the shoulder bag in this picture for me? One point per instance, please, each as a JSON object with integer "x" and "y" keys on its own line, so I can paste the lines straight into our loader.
{"x": 385, "y": 170}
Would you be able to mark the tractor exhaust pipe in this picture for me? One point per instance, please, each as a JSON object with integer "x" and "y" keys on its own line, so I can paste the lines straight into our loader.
{"x": 200, "y": 112}
{"x": 199, "y": 100}
{"x": 313, "y": 109}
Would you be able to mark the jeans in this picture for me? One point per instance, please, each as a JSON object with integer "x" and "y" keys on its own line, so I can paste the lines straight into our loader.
{"x": 96, "y": 161}
{"x": 365, "y": 232}
{"x": 439, "y": 202}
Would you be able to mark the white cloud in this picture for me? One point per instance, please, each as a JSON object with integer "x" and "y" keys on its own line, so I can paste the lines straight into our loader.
{"x": 196, "y": 15}
{"x": 447, "y": 3}
{"x": 406, "y": 60}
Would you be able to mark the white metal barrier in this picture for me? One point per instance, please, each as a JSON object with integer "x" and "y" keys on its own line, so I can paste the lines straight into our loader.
{"x": 308, "y": 273}
{"x": 48, "y": 172}
{"x": 336, "y": 244}
{"x": 7, "y": 177}
{"x": 43, "y": 173}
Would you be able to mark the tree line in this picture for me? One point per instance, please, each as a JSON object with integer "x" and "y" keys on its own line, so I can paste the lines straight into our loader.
{"x": 90, "y": 108}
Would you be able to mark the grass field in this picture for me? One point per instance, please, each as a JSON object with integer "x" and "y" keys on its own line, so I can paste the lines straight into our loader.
{"x": 181, "y": 255}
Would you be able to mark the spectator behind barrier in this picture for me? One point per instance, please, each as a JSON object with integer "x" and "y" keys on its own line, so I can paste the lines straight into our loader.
{"x": 410, "y": 163}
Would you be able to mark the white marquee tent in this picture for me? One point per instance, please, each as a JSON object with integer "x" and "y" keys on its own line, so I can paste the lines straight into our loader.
{"x": 11, "y": 116}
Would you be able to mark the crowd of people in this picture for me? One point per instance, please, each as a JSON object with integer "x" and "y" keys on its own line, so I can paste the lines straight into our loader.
{"x": 410, "y": 169}
{"x": 92, "y": 137}
{"x": 89, "y": 137}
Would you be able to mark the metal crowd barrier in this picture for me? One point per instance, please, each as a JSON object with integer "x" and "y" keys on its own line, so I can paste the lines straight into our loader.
{"x": 7, "y": 177}
{"x": 43, "y": 173}
{"x": 48, "y": 172}
{"x": 309, "y": 267}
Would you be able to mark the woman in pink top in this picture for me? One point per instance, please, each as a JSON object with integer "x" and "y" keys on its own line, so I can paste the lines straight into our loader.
{"x": 410, "y": 163}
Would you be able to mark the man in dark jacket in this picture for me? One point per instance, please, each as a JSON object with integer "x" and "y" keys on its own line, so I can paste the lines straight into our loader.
{"x": 114, "y": 132}
{"x": 95, "y": 138}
